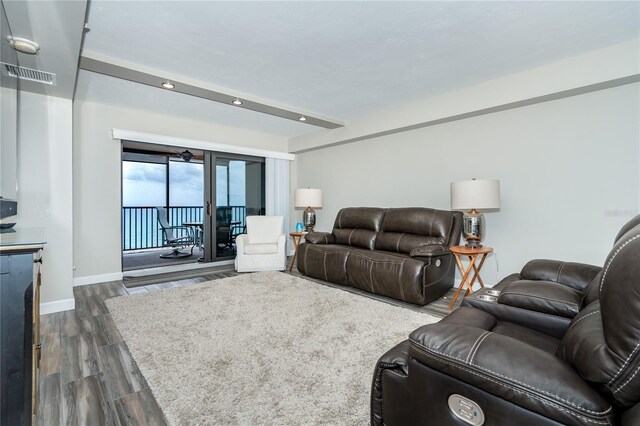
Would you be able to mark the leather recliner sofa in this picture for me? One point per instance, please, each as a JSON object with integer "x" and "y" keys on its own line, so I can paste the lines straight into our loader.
{"x": 546, "y": 294}
{"x": 401, "y": 253}
{"x": 482, "y": 365}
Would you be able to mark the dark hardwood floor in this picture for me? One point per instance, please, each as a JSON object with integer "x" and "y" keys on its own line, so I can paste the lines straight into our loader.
{"x": 88, "y": 376}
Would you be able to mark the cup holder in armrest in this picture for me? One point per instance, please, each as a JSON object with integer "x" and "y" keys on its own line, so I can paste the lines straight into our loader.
{"x": 494, "y": 293}
{"x": 487, "y": 298}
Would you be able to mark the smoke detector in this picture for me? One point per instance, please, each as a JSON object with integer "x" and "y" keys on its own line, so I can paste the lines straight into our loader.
{"x": 23, "y": 45}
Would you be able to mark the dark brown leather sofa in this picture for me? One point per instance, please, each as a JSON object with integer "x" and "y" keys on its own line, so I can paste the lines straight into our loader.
{"x": 512, "y": 367}
{"x": 546, "y": 294}
{"x": 401, "y": 253}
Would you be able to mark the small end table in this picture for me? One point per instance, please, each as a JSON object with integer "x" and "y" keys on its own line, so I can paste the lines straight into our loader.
{"x": 472, "y": 254}
{"x": 297, "y": 237}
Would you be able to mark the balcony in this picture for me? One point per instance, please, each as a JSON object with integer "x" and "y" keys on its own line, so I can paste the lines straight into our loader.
{"x": 142, "y": 239}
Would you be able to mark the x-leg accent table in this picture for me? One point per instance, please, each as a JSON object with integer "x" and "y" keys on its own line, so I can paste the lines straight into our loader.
{"x": 472, "y": 254}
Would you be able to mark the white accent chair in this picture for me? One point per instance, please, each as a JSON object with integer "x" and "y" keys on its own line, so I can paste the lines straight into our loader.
{"x": 262, "y": 247}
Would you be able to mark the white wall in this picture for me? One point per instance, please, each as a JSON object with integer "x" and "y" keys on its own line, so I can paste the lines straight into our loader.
{"x": 8, "y": 145}
{"x": 45, "y": 197}
{"x": 97, "y": 176}
{"x": 569, "y": 171}
{"x": 605, "y": 66}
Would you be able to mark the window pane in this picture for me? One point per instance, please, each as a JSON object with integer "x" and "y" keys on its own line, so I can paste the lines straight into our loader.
{"x": 143, "y": 184}
{"x": 236, "y": 183}
{"x": 221, "y": 185}
{"x": 186, "y": 181}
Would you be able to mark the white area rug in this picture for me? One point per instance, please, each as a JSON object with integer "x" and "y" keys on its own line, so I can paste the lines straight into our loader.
{"x": 263, "y": 348}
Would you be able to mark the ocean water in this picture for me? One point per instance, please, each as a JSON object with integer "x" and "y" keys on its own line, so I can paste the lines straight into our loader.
{"x": 141, "y": 229}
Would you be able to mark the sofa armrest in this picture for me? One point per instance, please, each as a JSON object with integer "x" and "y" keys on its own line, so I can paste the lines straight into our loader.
{"x": 241, "y": 241}
{"x": 512, "y": 370}
{"x": 320, "y": 238}
{"x": 282, "y": 243}
{"x": 551, "y": 325}
{"x": 574, "y": 275}
{"x": 542, "y": 296}
{"x": 429, "y": 250}
{"x": 395, "y": 362}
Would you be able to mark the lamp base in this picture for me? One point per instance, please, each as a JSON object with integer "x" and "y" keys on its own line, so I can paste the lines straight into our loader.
{"x": 474, "y": 244}
{"x": 473, "y": 228}
{"x": 309, "y": 219}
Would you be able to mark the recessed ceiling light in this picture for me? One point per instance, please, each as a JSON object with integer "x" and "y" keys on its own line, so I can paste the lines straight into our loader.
{"x": 302, "y": 118}
{"x": 237, "y": 101}
{"x": 168, "y": 85}
{"x": 23, "y": 45}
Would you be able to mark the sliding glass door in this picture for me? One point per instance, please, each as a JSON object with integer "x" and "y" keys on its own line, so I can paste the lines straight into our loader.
{"x": 234, "y": 189}
{"x": 164, "y": 190}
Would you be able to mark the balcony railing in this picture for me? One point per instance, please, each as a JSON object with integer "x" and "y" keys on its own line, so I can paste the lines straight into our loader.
{"x": 141, "y": 230}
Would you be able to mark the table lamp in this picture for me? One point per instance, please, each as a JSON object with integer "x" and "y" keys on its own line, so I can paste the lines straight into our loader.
{"x": 474, "y": 195}
{"x": 308, "y": 198}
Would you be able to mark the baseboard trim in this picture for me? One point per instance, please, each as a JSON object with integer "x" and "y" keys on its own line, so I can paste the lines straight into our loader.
{"x": 95, "y": 279}
{"x": 57, "y": 306}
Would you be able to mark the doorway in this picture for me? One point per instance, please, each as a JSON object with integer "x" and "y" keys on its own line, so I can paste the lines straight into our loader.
{"x": 182, "y": 206}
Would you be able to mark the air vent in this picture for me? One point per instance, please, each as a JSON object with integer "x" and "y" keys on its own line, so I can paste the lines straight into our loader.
{"x": 30, "y": 74}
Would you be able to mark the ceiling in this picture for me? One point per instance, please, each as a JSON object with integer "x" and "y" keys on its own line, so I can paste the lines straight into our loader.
{"x": 339, "y": 59}
{"x": 57, "y": 27}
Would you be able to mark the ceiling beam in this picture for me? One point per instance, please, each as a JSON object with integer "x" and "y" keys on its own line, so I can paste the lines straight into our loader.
{"x": 155, "y": 79}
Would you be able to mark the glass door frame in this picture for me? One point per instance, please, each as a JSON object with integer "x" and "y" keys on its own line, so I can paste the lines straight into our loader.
{"x": 210, "y": 201}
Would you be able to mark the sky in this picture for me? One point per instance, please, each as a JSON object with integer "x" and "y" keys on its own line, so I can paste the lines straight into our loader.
{"x": 144, "y": 184}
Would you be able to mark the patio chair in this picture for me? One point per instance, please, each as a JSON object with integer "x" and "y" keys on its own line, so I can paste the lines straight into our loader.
{"x": 223, "y": 227}
{"x": 227, "y": 230}
{"x": 170, "y": 240}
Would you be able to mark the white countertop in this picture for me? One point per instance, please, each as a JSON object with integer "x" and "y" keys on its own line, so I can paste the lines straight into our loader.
{"x": 22, "y": 238}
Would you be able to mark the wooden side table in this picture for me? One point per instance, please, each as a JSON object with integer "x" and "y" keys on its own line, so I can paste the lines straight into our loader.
{"x": 472, "y": 254}
{"x": 297, "y": 237}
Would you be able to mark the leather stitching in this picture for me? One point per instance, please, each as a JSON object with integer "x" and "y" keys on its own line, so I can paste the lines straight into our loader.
{"x": 604, "y": 274}
{"x": 524, "y": 392}
{"x": 626, "y": 361}
{"x": 581, "y": 318}
{"x": 425, "y": 351}
{"x": 474, "y": 345}
{"x": 400, "y": 286}
{"x": 560, "y": 271}
{"x": 478, "y": 347}
{"x": 318, "y": 249}
{"x": 628, "y": 380}
{"x": 378, "y": 260}
{"x": 305, "y": 264}
{"x": 324, "y": 264}
{"x": 350, "y": 234}
{"x": 371, "y": 277}
{"x": 398, "y": 242}
{"x": 613, "y": 256}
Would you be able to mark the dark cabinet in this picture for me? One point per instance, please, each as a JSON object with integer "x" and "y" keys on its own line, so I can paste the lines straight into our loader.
{"x": 19, "y": 337}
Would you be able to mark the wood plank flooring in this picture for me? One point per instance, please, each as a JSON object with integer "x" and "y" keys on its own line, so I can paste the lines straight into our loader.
{"x": 87, "y": 375}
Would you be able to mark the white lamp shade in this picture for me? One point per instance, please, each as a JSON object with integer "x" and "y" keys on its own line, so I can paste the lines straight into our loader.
{"x": 308, "y": 197}
{"x": 475, "y": 194}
